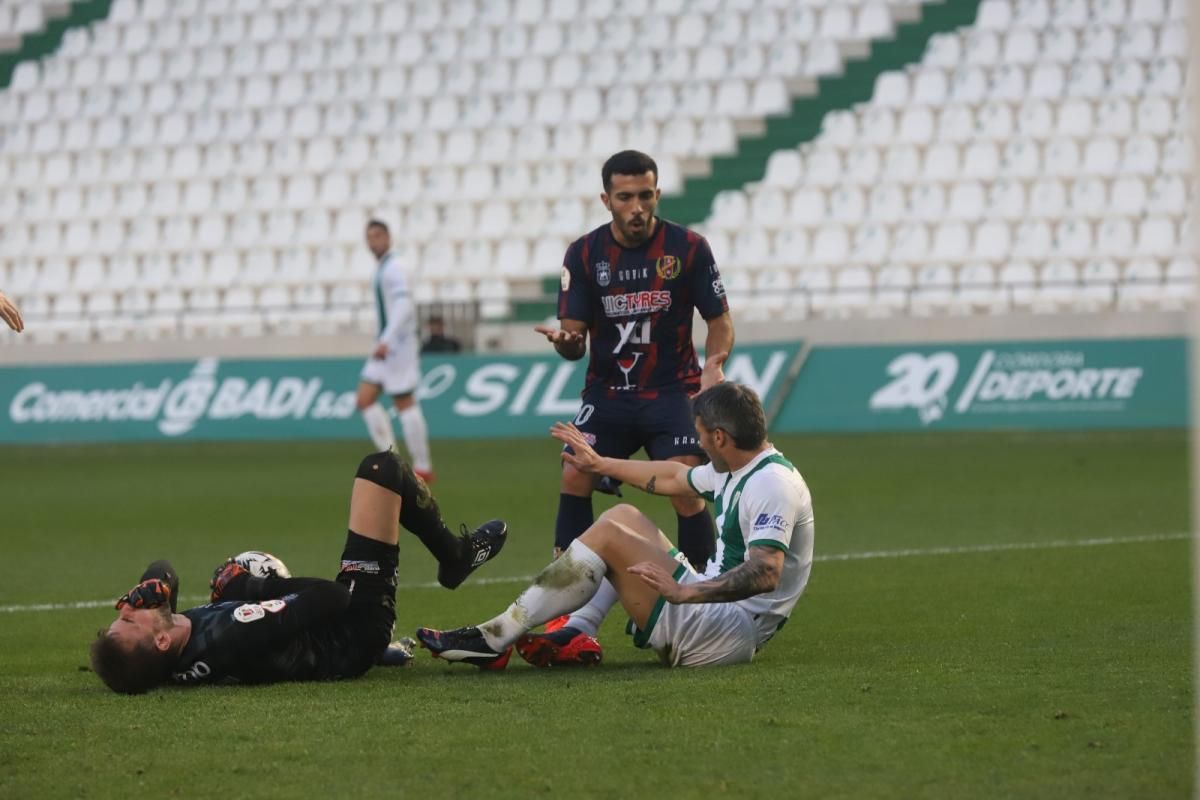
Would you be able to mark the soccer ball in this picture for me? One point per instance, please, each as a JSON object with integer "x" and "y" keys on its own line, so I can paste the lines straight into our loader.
{"x": 262, "y": 565}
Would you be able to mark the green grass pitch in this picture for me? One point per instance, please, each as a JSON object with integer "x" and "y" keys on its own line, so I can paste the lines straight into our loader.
{"x": 990, "y": 671}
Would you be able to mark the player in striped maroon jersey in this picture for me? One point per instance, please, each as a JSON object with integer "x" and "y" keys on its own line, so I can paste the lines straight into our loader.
{"x": 631, "y": 288}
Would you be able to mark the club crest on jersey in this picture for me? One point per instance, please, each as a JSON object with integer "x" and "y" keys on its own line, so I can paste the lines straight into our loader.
{"x": 603, "y": 273}
{"x": 249, "y": 613}
{"x": 667, "y": 267}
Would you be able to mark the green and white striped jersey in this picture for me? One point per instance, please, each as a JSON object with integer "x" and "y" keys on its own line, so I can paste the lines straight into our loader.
{"x": 765, "y": 503}
{"x": 393, "y": 303}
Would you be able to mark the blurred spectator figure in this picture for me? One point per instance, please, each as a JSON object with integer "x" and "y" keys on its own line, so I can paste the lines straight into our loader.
{"x": 438, "y": 341}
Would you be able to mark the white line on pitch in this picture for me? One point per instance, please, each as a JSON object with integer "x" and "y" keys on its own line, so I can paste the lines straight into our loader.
{"x": 866, "y": 555}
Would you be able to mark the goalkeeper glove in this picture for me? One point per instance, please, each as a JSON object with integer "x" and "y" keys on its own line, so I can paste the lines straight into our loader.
{"x": 223, "y": 576}
{"x": 150, "y": 593}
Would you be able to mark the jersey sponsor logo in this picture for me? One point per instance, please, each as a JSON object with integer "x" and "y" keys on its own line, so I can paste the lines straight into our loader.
{"x": 685, "y": 440}
{"x": 626, "y": 366}
{"x": 273, "y": 606}
{"x": 369, "y": 567}
{"x": 633, "y": 332}
{"x": 603, "y": 273}
{"x": 636, "y": 303}
{"x": 193, "y": 673}
{"x": 633, "y": 274}
{"x": 250, "y": 612}
{"x": 565, "y": 278}
{"x": 772, "y": 521}
{"x": 718, "y": 287}
{"x": 667, "y": 267}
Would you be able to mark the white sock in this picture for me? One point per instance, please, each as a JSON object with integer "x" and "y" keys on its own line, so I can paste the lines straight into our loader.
{"x": 563, "y": 586}
{"x": 416, "y": 437}
{"x": 379, "y": 426}
{"x": 588, "y": 618}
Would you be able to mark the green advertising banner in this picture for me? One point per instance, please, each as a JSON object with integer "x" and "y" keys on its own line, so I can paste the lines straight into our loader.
{"x": 1126, "y": 383}
{"x": 462, "y": 397}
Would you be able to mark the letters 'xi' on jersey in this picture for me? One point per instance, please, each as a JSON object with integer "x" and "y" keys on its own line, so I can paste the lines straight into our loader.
{"x": 638, "y": 304}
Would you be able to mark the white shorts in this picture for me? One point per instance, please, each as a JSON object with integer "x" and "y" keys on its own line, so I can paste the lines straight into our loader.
{"x": 399, "y": 373}
{"x": 698, "y": 634}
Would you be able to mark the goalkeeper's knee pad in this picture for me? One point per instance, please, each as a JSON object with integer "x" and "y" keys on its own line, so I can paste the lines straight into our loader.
{"x": 384, "y": 469}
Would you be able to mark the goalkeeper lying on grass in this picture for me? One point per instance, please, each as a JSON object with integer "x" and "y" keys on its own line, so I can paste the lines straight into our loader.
{"x": 275, "y": 628}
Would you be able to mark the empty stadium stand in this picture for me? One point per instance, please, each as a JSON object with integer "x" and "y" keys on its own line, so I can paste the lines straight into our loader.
{"x": 204, "y": 168}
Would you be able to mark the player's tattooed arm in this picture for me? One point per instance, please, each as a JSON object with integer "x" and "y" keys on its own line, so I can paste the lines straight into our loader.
{"x": 758, "y": 574}
{"x": 649, "y": 487}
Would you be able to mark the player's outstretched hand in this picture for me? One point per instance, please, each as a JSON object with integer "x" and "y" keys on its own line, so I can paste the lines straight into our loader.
{"x": 660, "y": 580}
{"x": 151, "y": 593}
{"x": 556, "y": 336}
{"x": 714, "y": 370}
{"x": 11, "y": 314}
{"x": 223, "y": 576}
{"x": 584, "y": 458}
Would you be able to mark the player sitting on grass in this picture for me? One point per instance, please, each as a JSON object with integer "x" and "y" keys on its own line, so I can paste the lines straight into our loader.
{"x": 266, "y": 630}
{"x": 764, "y": 554}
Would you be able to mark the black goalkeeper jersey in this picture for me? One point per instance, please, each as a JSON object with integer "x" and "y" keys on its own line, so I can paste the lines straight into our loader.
{"x": 285, "y": 629}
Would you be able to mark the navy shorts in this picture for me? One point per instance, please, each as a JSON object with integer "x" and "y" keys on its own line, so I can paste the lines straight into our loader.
{"x": 619, "y": 427}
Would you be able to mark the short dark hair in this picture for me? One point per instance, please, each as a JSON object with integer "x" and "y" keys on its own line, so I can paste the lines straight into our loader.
{"x": 628, "y": 162}
{"x": 735, "y": 409}
{"x": 126, "y": 671}
{"x": 378, "y": 223}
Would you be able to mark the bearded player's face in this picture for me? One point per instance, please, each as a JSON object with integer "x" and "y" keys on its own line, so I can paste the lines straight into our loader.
{"x": 711, "y": 447}
{"x": 139, "y": 624}
{"x": 632, "y": 199}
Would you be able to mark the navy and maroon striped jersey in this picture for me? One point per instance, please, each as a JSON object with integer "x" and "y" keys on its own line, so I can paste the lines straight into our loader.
{"x": 638, "y": 304}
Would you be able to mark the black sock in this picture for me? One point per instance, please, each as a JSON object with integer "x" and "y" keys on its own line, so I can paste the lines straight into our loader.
{"x": 420, "y": 515}
{"x": 697, "y": 538}
{"x": 574, "y": 517}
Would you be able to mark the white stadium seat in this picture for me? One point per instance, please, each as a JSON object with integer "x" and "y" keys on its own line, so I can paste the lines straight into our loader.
{"x": 203, "y": 135}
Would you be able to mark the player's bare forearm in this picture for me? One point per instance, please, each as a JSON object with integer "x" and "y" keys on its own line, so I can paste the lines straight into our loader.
{"x": 656, "y": 477}
{"x": 668, "y": 478}
{"x": 569, "y": 340}
{"x": 758, "y": 574}
{"x": 719, "y": 336}
{"x": 717, "y": 345}
{"x": 571, "y": 349}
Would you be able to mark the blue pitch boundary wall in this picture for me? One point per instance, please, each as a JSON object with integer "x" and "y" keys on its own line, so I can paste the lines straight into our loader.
{"x": 1050, "y": 385}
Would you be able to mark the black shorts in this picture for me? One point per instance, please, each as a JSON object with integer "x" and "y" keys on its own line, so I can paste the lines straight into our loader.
{"x": 619, "y": 427}
{"x": 369, "y": 569}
